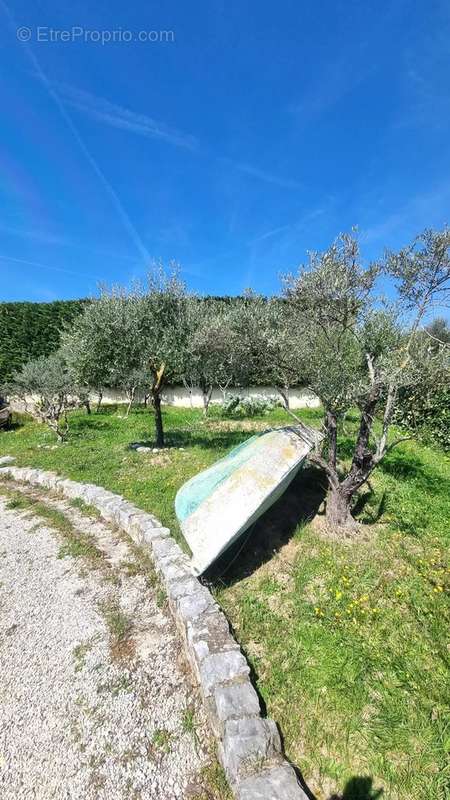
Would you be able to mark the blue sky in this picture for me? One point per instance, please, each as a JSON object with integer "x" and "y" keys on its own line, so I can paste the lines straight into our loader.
{"x": 260, "y": 131}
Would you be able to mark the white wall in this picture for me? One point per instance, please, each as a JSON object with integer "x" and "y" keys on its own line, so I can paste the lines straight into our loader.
{"x": 180, "y": 396}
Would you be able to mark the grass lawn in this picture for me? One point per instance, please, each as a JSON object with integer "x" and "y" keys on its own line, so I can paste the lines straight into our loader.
{"x": 348, "y": 639}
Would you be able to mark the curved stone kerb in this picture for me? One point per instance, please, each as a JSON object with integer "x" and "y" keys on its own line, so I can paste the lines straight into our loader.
{"x": 249, "y": 746}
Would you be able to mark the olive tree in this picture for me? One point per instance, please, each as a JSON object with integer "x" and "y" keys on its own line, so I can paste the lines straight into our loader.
{"x": 355, "y": 353}
{"x": 102, "y": 346}
{"x": 133, "y": 339}
{"x": 48, "y": 390}
{"x": 163, "y": 322}
{"x": 210, "y": 356}
{"x": 263, "y": 332}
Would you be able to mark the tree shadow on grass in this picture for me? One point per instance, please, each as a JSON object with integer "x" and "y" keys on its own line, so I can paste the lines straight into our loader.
{"x": 216, "y": 440}
{"x": 365, "y": 512}
{"x": 13, "y": 425}
{"x": 407, "y": 466}
{"x": 359, "y": 788}
{"x": 299, "y": 503}
{"x": 224, "y": 441}
{"x": 197, "y": 435}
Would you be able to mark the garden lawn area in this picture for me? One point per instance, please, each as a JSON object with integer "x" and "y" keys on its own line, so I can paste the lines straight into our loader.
{"x": 348, "y": 639}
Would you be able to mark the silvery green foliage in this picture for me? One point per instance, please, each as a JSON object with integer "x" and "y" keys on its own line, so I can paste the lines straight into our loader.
{"x": 103, "y": 344}
{"x": 265, "y": 342}
{"x": 132, "y": 339}
{"x": 424, "y": 405}
{"x": 163, "y": 322}
{"x": 238, "y": 406}
{"x": 211, "y": 348}
{"x": 422, "y": 270}
{"x": 330, "y": 298}
{"x": 48, "y": 384}
{"x": 354, "y": 350}
{"x": 130, "y": 331}
{"x": 349, "y": 341}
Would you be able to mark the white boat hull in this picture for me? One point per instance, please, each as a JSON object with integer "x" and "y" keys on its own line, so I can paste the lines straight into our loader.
{"x": 217, "y": 506}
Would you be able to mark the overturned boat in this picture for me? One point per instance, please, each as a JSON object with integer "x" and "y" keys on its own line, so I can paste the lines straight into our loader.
{"x": 219, "y": 504}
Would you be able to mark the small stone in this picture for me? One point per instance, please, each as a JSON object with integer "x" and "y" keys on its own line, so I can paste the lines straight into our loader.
{"x": 53, "y": 481}
{"x": 155, "y": 450}
{"x": 125, "y": 514}
{"x": 135, "y": 527}
{"x": 138, "y": 524}
{"x": 46, "y": 479}
{"x": 28, "y": 475}
{"x": 143, "y": 449}
{"x": 4, "y": 460}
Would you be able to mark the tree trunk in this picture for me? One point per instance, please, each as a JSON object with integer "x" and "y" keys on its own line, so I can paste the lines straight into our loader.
{"x": 130, "y": 395}
{"x": 338, "y": 511}
{"x": 99, "y": 401}
{"x": 331, "y": 423}
{"x": 87, "y": 406}
{"x": 338, "y": 508}
{"x": 206, "y": 395}
{"x": 61, "y": 427}
{"x": 223, "y": 388}
{"x": 156, "y": 401}
{"x": 284, "y": 392}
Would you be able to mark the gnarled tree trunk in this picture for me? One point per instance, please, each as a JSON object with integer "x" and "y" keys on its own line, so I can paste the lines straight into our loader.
{"x": 341, "y": 491}
{"x": 338, "y": 508}
{"x": 206, "y": 397}
{"x": 158, "y": 381}
{"x": 283, "y": 391}
{"x": 159, "y": 430}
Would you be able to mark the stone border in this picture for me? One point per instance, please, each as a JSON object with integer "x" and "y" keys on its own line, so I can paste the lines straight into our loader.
{"x": 250, "y": 748}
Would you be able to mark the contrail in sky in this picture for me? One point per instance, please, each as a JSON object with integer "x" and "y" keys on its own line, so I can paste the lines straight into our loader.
{"x": 143, "y": 252}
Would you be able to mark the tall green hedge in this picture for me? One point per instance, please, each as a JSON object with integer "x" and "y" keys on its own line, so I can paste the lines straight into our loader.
{"x": 29, "y": 330}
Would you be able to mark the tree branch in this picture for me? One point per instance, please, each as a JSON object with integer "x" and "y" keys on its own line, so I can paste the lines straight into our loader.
{"x": 333, "y": 477}
{"x": 377, "y": 458}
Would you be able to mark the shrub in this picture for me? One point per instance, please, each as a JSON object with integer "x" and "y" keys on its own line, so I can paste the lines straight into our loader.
{"x": 236, "y": 406}
{"x": 47, "y": 386}
{"x": 427, "y": 413}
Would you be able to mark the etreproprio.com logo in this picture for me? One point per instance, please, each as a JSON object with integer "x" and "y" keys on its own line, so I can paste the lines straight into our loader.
{"x": 78, "y": 34}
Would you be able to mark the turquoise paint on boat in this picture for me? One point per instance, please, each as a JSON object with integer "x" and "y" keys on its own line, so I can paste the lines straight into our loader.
{"x": 197, "y": 489}
{"x": 216, "y": 506}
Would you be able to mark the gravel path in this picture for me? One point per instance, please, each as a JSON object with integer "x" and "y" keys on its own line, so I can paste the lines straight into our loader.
{"x": 95, "y": 699}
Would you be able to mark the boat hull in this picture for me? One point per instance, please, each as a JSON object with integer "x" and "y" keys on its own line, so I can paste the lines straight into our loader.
{"x": 219, "y": 504}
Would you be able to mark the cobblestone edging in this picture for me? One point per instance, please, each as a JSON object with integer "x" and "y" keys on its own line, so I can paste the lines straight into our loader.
{"x": 249, "y": 746}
